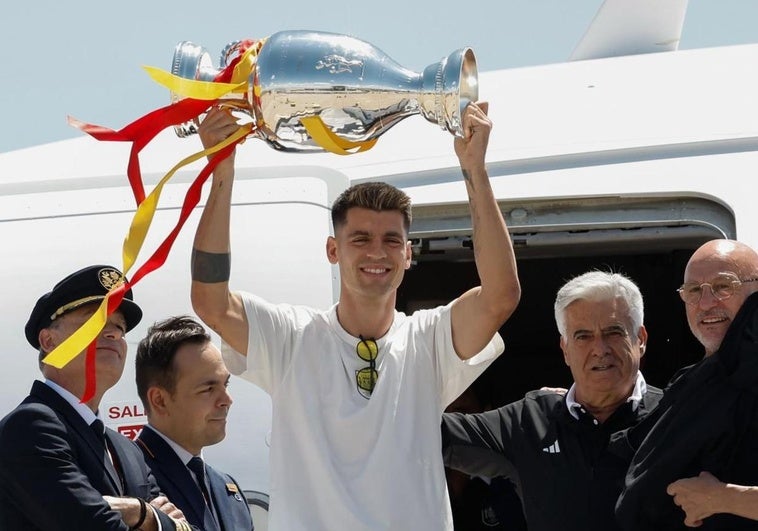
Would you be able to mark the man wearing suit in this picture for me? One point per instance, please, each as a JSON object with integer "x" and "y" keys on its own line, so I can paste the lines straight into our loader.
{"x": 59, "y": 468}
{"x": 182, "y": 382}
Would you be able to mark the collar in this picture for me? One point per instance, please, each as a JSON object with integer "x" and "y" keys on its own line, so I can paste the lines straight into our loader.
{"x": 351, "y": 340}
{"x": 183, "y": 455}
{"x": 639, "y": 390}
{"x": 84, "y": 411}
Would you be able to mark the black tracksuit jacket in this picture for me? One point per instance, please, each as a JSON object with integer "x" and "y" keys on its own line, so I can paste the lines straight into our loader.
{"x": 568, "y": 480}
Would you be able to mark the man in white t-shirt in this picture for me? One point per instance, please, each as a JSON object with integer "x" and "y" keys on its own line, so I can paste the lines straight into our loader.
{"x": 358, "y": 390}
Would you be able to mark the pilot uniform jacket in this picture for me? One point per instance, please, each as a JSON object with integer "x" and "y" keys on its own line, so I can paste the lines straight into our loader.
{"x": 54, "y": 470}
{"x": 176, "y": 481}
{"x": 567, "y": 478}
{"x": 707, "y": 420}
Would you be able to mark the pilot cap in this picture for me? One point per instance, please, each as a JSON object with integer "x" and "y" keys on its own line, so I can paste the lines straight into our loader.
{"x": 85, "y": 286}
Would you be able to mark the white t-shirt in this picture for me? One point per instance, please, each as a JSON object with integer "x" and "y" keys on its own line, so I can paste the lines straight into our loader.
{"x": 340, "y": 461}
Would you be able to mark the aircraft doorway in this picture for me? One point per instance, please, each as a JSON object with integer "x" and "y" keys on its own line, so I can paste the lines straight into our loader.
{"x": 647, "y": 239}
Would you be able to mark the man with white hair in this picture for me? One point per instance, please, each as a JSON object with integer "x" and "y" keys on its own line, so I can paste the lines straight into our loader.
{"x": 554, "y": 446}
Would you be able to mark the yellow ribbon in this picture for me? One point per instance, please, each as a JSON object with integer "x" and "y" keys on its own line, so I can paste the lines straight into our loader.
{"x": 190, "y": 88}
{"x": 328, "y": 140}
{"x": 78, "y": 341}
{"x": 143, "y": 217}
{"x": 212, "y": 90}
{"x": 246, "y": 64}
{"x": 209, "y": 90}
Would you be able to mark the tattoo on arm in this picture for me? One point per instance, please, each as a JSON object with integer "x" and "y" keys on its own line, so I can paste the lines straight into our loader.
{"x": 210, "y": 268}
{"x": 467, "y": 178}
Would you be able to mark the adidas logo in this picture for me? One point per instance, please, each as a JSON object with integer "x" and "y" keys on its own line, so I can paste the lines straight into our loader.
{"x": 552, "y": 449}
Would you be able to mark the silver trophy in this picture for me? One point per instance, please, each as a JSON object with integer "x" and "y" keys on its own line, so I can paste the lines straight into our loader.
{"x": 356, "y": 90}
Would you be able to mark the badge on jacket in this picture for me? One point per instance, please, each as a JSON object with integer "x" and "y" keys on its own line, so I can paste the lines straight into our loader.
{"x": 231, "y": 488}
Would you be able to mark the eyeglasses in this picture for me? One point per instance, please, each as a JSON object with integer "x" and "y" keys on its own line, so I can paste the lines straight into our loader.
{"x": 367, "y": 350}
{"x": 722, "y": 287}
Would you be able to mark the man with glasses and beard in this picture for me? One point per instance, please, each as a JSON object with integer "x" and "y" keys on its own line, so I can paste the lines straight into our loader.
{"x": 358, "y": 390}
{"x": 701, "y": 445}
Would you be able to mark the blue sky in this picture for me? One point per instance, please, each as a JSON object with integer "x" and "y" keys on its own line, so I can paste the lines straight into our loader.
{"x": 84, "y": 58}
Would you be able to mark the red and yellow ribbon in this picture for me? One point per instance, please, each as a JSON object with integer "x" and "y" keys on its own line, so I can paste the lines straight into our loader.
{"x": 140, "y": 133}
{"x": 198, "y": 97}
{"x": 141, "y": 221}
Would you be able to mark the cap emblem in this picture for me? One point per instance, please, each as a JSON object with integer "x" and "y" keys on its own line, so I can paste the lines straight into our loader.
{"x": 109, "y": 278}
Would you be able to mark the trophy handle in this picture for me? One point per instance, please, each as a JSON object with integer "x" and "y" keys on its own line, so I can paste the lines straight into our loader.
{"x": 192, "y": 61}
{"x": 448, "y": 87}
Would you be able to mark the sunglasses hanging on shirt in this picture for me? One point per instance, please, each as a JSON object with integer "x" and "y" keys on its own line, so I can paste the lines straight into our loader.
{"x": 365, "y": 378}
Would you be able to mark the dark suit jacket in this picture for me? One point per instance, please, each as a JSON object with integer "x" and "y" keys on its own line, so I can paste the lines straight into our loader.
{"x": 707, "y": 420}
{"x": 53, "y": 474}
{"x": 176, "y": 482}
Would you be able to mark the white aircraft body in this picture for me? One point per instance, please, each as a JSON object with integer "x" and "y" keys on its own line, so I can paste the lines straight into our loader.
{"x": 628, "y": 158}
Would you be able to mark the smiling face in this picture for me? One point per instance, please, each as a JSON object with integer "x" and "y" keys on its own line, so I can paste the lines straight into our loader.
{"x": 602, "y": 350}
{"x": 709, "y": 318}
{"x": 194, "y": 414}
{"x": 373, "y": 252}
{"x": 110, "y": 354}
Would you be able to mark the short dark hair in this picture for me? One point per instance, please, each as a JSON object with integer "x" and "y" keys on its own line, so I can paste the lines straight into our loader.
{"x": 374, "y": 196}
{"x": 156, "y": 351}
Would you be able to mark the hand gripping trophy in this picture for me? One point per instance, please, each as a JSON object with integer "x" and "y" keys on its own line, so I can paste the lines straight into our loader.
{"x": 307, "y": 89}
{"x": 300, "y": 91}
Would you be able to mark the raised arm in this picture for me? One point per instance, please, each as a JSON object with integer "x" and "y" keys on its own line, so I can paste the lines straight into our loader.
{"x": 212, "y": 299}
{"x": 480, "y": 312}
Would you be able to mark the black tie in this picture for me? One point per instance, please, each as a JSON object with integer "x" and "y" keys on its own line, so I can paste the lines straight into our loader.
{"x": 197, "y": 465}
{"x": 99, "y": 428}
{"x": 108, "y": 459}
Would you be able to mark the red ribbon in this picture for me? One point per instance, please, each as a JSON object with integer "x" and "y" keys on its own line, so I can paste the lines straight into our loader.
{"x": 158, "y": 258}
{"x": 140, "y": 133}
